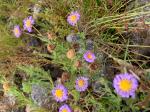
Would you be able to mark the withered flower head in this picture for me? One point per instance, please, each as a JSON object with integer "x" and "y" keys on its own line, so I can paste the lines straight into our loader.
{"x": 50, "y": 48}
{"x": 65, "y": 77}
{"x": 51, "y": 35}
{"x": 78, "y": 64}
{"x": 76, "y": 46}
{"x": 71, "y": 54}
{"x": 93, "y": 66}
{"x": 6, "y": 86}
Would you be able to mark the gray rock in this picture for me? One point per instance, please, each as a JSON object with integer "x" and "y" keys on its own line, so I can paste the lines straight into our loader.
{"x": 142, "y": 32}
{"x": 97, "y": 87}
{"x": 7, "y": 103}
{"x": 89, "y": 44}
{"x": 41, "y": 96}
{"x": 37, "y": 9}
{"x": 72, "y": 38}
{"x": 139, "y": 3}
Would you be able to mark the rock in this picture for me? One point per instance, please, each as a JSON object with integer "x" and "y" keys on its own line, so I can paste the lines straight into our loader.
{"x": 140, "y": 35}
{"x": 97, "y": 87}
{"x": 37, "y": 9}
{"x": 7, "y": 103}
{"x": 34, "y": 42}
{"x": 41, "y": 96}
{"x": 139, "y": 3}
{"x": 72, "y": 38}
{"x": 89, "y": 44}
{"x": 10, "y": 99}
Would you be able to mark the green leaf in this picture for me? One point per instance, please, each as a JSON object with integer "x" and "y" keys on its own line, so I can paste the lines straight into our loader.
{"x": 98, "y": 2}
{"x": 26, "y": 87}
{"x": 76, "y": 95}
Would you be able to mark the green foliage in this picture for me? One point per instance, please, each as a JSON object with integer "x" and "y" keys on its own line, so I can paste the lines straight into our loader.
{"x": 75, "y": 95}
{"x": 21, "y": 98}
{"x": 36, "y": 75}
{"x": 26, "y": 87}
{"x": 8, "y": 42}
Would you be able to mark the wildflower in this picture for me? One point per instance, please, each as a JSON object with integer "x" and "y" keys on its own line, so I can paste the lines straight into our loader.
{"x": 78, "y": 64}
{"x": 65, "y": 77}
{"x": 93, "y": 66}
{"x": 70, "y": 54}
{"x": 89, "y": 56}
{"x": 76, "y": 46}
{"x": 60, "y": 93}
{"x": 125, "y": 85}
{"x": 65, "y": 108}
{"x": 28, "y": 23}
{"x": 17, "y": 31}
{"x": 77, "y": 109}
{"x": 81, "y": 84}
{"x": 51, "y": 35}
{"x": 6, "y": 86}
{"x": 73, "y": 18}
{"x": 50, "y": 48}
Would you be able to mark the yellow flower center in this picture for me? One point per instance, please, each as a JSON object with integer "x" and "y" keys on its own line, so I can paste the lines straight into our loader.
{"x": 89, "y": 56}
{"x": 16, "y": 31}
{"x": 28, "y": 23}
{"x": 73, "y": 18}
{"x": 64, "y": 110}
{"x": 81, "y": 83}
{"x": 125, "y": 85}
{"x": 59, "y": 93}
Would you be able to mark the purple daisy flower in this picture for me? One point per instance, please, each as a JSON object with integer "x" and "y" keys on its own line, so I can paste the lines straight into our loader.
{"x": 28, "y": 23}
{"x": 81, "y": 84}
{"x": 125, "y": 85}
{"x": 65, "y": 108}
{"x": 60, "y": 93}
{"x": 17, "y": 31}
{"x": 73, "y": 18}
{"x": 89, "y": 56}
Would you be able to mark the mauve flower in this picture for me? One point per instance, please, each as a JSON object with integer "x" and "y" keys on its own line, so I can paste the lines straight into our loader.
{"x": 81, "y": 83}
{"x": 73, "y": 18}
{"x": 65, "y": 108}
{"x": 125, "y": 85}
{"x": 89, "y": 56}
{"x": 28, "y": 23}
{"x": 17, "y": 31}
{"x": 60, "y": 93}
